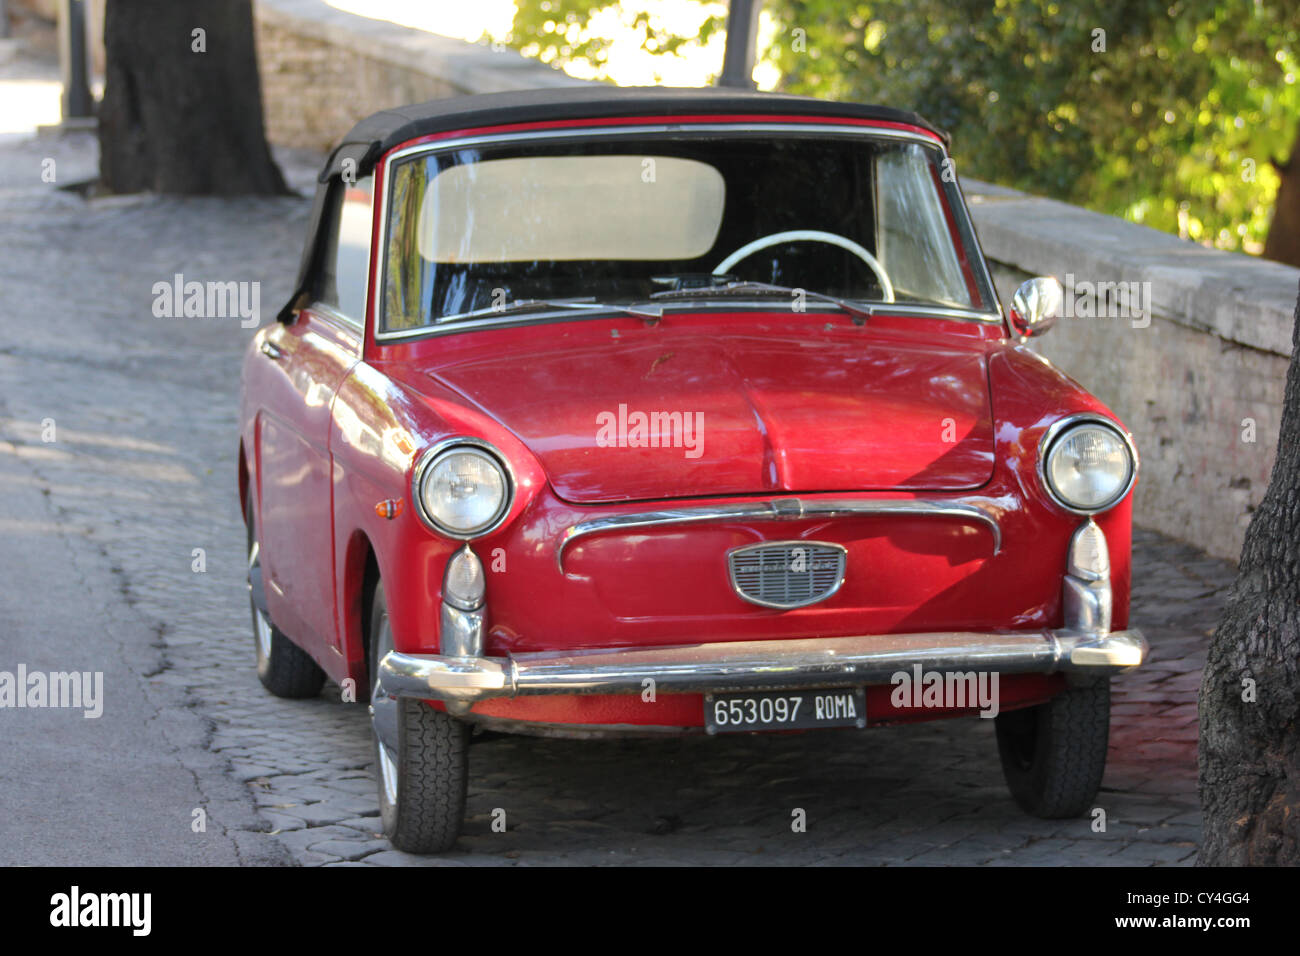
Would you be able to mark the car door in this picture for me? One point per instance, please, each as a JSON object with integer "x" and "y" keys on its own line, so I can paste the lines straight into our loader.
{"x": 308, "y": 359}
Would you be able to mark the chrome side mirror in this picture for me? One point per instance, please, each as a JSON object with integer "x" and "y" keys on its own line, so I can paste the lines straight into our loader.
{"x": 1036, "y": 305}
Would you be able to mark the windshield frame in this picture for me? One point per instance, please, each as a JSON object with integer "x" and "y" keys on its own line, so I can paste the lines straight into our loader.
{"x": 951, "y": 191}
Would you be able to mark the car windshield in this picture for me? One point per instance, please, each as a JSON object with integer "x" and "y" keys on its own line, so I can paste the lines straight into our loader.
{"x": 622, "y": 219}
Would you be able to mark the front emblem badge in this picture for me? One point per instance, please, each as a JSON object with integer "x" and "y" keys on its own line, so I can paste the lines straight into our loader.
{"x": 787, "y": 574}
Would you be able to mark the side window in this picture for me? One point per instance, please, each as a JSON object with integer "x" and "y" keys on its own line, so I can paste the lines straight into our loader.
{"x": 915, "y": 242}
{"x": 408, "y": 276}
{"x": 345, "y": 257}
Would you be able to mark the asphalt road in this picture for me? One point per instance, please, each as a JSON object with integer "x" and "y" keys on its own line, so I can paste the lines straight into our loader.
{"x": 140, "y": 413}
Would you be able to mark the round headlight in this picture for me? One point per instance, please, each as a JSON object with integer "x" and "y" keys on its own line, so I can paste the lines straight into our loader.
{"x": 1089, "y": 466}
{"x": 463, "y": 490}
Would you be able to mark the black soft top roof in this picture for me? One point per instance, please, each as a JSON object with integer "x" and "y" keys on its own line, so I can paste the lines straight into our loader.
{"x": 380, "y": 132}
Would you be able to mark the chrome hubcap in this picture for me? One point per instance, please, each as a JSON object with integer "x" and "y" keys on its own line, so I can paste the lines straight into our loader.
{"x": 261, "y": 623}
{"x": 388, "y": 773}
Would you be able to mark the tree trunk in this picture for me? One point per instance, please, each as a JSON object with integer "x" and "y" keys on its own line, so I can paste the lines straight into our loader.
{"x": 1250, "y": 691}
{"x": 1282, "y": 244}
{"x": 182, "y": 108}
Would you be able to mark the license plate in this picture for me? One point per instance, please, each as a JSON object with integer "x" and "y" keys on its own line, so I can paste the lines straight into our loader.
{"x": 784, "y": 710}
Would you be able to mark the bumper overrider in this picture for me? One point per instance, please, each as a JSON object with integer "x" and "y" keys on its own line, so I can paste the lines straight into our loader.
{"x": 461, "y": 676}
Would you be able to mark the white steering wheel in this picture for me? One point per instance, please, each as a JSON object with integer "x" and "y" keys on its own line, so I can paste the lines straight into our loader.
{"x": 809, "y": 235}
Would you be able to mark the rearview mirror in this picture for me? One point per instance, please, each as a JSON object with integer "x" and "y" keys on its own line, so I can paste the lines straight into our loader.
{"x": 1036, "y": 305}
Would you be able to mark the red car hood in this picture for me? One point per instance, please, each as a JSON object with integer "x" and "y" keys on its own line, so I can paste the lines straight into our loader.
{"x": 734, "y": 415}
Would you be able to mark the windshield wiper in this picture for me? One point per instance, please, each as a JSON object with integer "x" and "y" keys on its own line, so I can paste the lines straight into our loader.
{"x": 586, "y": 304}
{"x": 654, "y": 312}
{"x": 860, "y": 313}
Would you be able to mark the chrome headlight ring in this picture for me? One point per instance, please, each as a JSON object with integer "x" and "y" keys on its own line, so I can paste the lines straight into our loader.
{"x": 438, "y": 453}
{"x": 1060, "y": 430}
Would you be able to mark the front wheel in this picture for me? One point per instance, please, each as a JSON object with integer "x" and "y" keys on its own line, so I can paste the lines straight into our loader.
{"x": 1054, "y": 755}
{"x": 423, "y": 772}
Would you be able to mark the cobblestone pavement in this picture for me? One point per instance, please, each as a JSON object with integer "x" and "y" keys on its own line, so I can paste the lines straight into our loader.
{"x": 143, "y": 473}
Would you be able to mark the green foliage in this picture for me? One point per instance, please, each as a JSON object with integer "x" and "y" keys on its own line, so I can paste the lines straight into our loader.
{"x": 1171, "y": 118}
{"x": 1173, "y": 124}
{"x": 554, "y": 32}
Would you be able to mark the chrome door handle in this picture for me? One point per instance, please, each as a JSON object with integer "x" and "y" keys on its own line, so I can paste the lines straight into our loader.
{"x": 272, "y": 351}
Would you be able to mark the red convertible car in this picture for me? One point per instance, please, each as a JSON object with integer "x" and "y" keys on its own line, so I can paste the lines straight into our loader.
{"x": 656, "y": 411}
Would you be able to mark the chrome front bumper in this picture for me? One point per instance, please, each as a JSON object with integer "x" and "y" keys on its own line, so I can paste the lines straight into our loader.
{"x": 461, "y": 676}
{"x": 747, "y": 665}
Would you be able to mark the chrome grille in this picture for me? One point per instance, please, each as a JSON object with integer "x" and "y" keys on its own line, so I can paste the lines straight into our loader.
{"x": 786, "y": 574}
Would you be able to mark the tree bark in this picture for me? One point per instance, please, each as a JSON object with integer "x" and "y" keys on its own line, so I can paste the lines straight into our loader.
{"x": 1282, "y": 244}
{"x": 182, "y": 109}
{"x": 1250, "y": 741}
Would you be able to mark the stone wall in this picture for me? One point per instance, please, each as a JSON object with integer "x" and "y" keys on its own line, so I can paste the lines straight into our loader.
{"x": 323, "y": 69}
{"x": 1197, "y": 376}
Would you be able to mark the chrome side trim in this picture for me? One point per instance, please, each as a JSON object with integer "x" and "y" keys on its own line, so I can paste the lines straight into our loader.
{"x": 781, "y": 509}
{"x": 747, "y": 665}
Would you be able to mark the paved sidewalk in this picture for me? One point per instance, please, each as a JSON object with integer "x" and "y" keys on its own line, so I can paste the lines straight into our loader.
{"x": 143, "y": 472}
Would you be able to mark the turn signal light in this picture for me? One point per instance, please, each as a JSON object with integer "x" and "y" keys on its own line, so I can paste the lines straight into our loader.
{"x": 389, "y": 508}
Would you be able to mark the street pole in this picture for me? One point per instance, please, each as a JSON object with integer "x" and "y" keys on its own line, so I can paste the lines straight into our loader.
{"x": 742, "y": 41}
{"x": 72, "y": 60}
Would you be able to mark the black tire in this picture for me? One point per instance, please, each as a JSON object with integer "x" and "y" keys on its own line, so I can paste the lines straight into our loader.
{"x": 423, "y": 810}
{"x": 285, "y": 669}
{"x": 1054, "y": 755}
